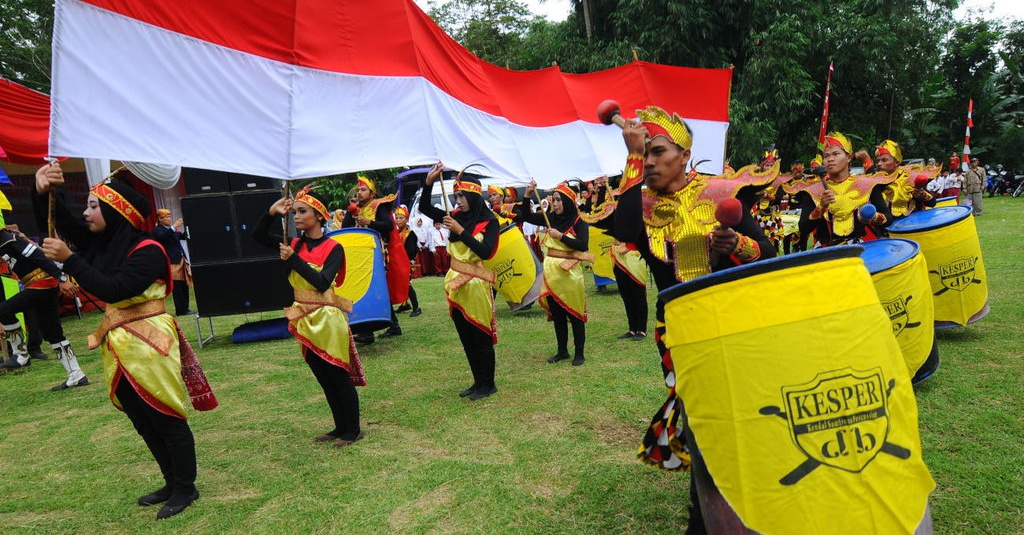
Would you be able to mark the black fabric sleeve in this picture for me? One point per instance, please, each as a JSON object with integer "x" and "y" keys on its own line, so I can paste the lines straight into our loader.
{"x": 261, "y": 232}
{"x": 434, "y": 213}
{"x": 383, "y": 223}
{"x": 70, "y": 226}
{"x": 411, "y": 245}
{"x": 321, "y": 280}
{"x": 628, "y": 226}
{"x": 132, "y": 276}
{"x": 484, "y": 249}
{"x": 881, "y": 206}
{"x": 534, "y": 218}
{"x": 582, "y": 240}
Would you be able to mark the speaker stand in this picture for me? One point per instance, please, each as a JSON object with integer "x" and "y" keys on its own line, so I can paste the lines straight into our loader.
{"x": 199, "y": 330}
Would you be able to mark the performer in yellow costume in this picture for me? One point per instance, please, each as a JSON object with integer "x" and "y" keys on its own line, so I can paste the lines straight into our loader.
{"x": 473, "y": 238}
{"x": 672, "y": 223}
{"x": 567, "y": 242}
{"x": 143, "y": 348}
{"x": 316, "y": 265}
{"x": 904, "y": 195}
{"x": 831, "y": 206}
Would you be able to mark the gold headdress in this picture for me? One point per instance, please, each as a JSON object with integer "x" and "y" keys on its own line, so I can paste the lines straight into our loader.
{"x": 659, "y": 123}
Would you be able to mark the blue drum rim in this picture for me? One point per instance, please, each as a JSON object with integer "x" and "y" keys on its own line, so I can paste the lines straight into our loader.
{"x": 758, "y": 268}
{"x": 901, "y": 226}
{"x": 346, "y": 230}
{"x": 882, "y": 264}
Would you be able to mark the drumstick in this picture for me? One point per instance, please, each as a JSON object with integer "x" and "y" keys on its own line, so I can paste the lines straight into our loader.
{"x": 444, "y": 196}
{"x": 284, "y": 219}
{"x": 51, "y": 215}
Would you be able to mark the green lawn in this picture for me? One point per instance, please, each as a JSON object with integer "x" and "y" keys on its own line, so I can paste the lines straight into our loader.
{"x": 553, "y": 451}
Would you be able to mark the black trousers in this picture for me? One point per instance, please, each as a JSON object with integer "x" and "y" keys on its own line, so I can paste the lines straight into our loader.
{"x": 479, "y": 348}
{"x": 180, "y": 294}
{"x": 562, "y": 319}
{"x": 169, "y": 439}
{"x": 634, "y": 298}
{"x": 41, "y": 308}
{"x": 341, "y": 395}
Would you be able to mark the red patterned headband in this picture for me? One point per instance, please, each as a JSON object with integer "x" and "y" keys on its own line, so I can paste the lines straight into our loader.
{"x": 466, "y": 186}
{"x": 117, "y": 201}
{"x": 564, "y": 189}
{"x": 303, "y": 196}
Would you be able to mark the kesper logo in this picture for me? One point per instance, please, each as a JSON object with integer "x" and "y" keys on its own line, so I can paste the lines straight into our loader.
{"x": 838, "y": 419}
{"x": 505, "y": 271}
{"x": 898, "y": 314}
{"x": 957, "y": 275}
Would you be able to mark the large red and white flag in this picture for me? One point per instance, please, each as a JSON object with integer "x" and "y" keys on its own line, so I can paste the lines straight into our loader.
{"x": 315, "y": 87}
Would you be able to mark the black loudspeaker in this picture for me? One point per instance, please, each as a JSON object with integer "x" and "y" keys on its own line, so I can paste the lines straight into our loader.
{"x": 211, "y": 228}
{"x": 205, "y": 181}
{"x": 248, "y": 209}
{"x": 240, "y": 183}
{"x": 239, "y": 287}
{"x": 220, "y": 226}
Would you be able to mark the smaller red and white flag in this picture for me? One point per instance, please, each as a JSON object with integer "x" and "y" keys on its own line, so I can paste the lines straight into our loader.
{"x": 965, "y": 161}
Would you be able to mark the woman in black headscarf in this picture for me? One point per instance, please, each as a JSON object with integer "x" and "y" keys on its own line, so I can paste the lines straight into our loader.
{"x": 473, "y": 238}
{"x": 142, "y": 346}
{"x": 316, "y": 266}
{"x": 567, "y": 244}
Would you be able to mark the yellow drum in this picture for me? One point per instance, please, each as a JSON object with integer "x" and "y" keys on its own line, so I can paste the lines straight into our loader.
{"x": 949, "y": 242}
{"x": 365, "y": 281}
{"x": 945, "y": 201}
{"x": 900, "y": 274}
{"x": 804, "y": 396}
{"x": 516, "y": 269}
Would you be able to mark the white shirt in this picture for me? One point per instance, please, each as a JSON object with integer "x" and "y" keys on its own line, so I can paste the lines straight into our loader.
{"x": 438, "y": 237}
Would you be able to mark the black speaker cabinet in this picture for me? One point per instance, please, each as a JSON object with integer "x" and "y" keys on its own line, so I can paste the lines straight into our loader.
{"x": 240, "y": 183}
{"x": 205, "y": 181}
{"x": 248, "y": 209}
{"x": 211, "y": 228}
{"x": 240, "y": 287}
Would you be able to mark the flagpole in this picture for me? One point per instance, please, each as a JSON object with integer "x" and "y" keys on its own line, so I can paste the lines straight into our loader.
{"x": 820, "y": 157}
{"x": 967, "y": 136}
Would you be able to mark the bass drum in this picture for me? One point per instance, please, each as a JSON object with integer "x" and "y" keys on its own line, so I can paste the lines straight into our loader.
{"x": 365, "y": 281}
{"x": 516, "y": 269}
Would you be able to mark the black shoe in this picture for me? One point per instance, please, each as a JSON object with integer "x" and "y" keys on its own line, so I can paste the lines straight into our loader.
{"x": 188, "y": 312}
{"x": 415, "y": 312}
{"x": 156, "y": 497}
{"x": 578, "y": 360}
{"x": 37, "y": 354}
{"x": 12, "y": 364}
{"x": 558, "y": 358}
{"x": 176, "y": 504}
{"x": 639, "y": 335}
{"x": 627, "y": 334}
{"x": 483, "y": 392}
{"x": 403, "y": 308}
{"x": 64, "y": 385}
{"x": 467, "y": 392}
{"x": 393, "y": 331}
{"x": 363, "y": 338}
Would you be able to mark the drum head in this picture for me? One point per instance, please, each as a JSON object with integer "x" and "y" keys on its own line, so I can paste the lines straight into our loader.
{"x": 880, "y": 255}
{"x": 757, "y": 268}
{"x": 930, "y": 219}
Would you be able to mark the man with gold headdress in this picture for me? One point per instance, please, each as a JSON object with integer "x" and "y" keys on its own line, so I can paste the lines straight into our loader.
{"x": 672, "y": 222}
{"x": 374, "y": 214}
{"x": 903, "y": 195}
{"x": 832, "y": 206}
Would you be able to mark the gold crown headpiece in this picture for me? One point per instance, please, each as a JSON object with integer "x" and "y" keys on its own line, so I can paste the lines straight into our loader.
{"x": 891, "y": 148}
{"x": 660, "y": 123}
{"x": 836, "y": 139}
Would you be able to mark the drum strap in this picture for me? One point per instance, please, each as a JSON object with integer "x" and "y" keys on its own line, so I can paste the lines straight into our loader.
{"x": 467, "y": 272}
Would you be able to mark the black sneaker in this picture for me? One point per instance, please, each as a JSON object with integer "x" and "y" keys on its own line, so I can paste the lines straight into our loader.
{"x": 468, "y": 392}
{"x": 403, "y": 308}
{"x": 558, "y": 358}
{"x": 363, "y": 338}
{"x": 483, "y": 392}
{"x": 578, "y": 360}
{"x": 37, "y": 354}
{"x": 176, "y": 504}
{"x": 64, "y": 385}
{"x": 639, "y": 336}
{"x": 393, "y": 331}
{"x": 627, "y": 334}
{"x": 416, "y": 312}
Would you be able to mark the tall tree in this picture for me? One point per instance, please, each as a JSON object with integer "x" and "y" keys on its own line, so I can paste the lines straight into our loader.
{"x": 25, "y": 35}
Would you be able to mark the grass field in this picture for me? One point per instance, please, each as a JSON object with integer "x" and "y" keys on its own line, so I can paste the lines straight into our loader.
{"x": 552, "y": 452}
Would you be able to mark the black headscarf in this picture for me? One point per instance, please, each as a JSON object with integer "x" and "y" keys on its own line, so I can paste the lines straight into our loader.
{"x": 119, "y": 236}
{"x": 564, "y": 221}
{"x": 477, "y": 212}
